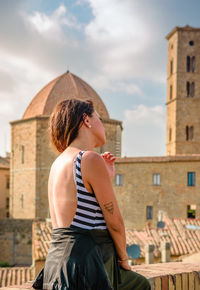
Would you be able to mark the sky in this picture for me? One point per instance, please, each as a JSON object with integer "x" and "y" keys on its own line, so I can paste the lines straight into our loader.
{"x": 117, "y": 47}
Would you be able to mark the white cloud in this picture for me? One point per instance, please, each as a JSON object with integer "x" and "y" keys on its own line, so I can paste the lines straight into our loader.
{"x": 122, "y": 38}
{"x": 26, "y": 78}
{"x": 51, "y": 26}
{"x": 144, "y": 131}
{"x": 115, "y": 49}
{"x": 129, "y": 88}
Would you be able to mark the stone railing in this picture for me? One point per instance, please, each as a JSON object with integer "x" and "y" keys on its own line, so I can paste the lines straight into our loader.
{"x": 162, "y": 276}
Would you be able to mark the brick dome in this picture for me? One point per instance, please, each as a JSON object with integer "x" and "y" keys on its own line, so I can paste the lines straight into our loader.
{"x": 63, "y": 87}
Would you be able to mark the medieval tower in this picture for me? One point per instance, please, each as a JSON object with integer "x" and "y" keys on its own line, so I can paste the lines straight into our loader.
{"x": 183, "y": 91}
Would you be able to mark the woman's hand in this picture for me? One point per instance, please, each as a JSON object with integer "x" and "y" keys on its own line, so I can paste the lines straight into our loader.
{"x": 109, "y": 159}
{"x": 125, "y": 265}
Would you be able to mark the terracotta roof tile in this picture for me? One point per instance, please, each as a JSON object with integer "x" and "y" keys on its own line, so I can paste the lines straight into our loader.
{"x": 63, "y": 87}
{"x": 14, "y": 276}
{"x": 183, "y": 240}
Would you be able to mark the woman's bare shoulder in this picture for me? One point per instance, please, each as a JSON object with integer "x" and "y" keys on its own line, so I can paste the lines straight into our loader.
{"x": 93, "y": 162}
{"x": 92, "y": 158}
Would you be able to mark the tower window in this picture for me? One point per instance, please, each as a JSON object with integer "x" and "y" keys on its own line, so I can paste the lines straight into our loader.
{"x": 7, "y": 202}
{"x": 171, "y": 67}
{"x": 193, "y": 64}
{"x": 171, "y": 92}
{"x": 7, "y": 181}
{"x": 156, "y": 178}
{"x": 191, "y": 42}
{"x": 192, "y": 89}
{"x": 191, "y": 211}
{"x": 149, "y": 212}
{"x": 22, "y": 154}
{"x": 170, "y": 134}
{"x": 189, "y": 131}
{"x": 188, "y": 88}
{"x": 191, "y": 178}
{"x": 188, "y": 64}
{"x": 118, "y": 179}
{"x": 22, "y": 200}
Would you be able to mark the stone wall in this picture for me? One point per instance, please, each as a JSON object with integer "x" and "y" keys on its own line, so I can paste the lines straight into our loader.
{"x": 29, "y": 180}
{"x": 23, "y": 174}
{"x": 16, "y": 241}
{"x": 172, "y": 196}
{"x": 4, "y": 192}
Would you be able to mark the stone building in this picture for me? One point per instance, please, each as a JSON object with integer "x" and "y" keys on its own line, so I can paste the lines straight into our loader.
{"x": 146, "y": 187}
{"x": 4, "y": 186}
{"x": 31, "y": 152}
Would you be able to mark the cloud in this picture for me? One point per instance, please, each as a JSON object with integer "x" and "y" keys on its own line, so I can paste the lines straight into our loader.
{"x": 52, "y": 25}
{"x": 117, "y": 47}
{"x": 144, "y": 131}
{"x": 19, "y": 80}
{"x": 125, "y": 41}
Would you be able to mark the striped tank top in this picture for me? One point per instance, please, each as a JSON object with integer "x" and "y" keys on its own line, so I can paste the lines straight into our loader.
{"x": 88, "y": 213}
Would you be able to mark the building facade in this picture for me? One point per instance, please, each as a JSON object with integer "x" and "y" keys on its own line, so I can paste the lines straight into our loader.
{"x": 32, "y": 153}
{"x": 146, "y": 187}
{"x": 4, "y": 186}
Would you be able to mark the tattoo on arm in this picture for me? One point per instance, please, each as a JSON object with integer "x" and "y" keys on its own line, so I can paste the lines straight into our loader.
{"x": 109, "y": 207}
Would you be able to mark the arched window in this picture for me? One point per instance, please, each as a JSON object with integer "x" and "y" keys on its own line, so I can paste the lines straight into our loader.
{"x": 187, "y": 132}
{"x": 191, "y": 132}
{"x": 22, "y": 153}
{"x": 188, "y": 64}
{"x": 191, "y": 42}
{"x": 171, "y": 67}
{"x": 193, "y": 64}
{"x": 188, "y": 89}
{"x": 192, "y": 89}
{"x": 170, "y": 134}
{"x": 171, "y": 92}
{"x": 22, "y": 200}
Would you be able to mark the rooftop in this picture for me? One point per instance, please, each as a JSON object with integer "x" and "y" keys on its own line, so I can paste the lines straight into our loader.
{"x": 183, "y": 235}
{"x": 63, "y": 87}
{"x": 150, "y": 159}
{"x": 4, "y": 162}
{"x": 184, "y": 28}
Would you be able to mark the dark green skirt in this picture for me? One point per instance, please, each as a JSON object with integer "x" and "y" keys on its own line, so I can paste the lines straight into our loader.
{"x": 80, "y": 259}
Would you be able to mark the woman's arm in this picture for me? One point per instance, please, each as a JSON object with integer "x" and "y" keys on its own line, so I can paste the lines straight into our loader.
{"x": 97, "y": 175}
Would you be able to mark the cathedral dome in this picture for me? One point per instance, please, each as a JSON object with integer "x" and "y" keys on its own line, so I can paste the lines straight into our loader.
{"x": 63, "y": 87}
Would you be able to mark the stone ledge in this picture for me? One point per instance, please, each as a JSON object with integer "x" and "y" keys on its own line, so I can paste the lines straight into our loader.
{"x": 162, "y": 276}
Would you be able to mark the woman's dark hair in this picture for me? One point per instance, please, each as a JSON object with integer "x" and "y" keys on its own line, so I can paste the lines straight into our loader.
{"x": 65, "y": 121}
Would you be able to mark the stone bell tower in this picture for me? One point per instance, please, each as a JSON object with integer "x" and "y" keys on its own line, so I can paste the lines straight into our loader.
{"x": 183, "y": 91}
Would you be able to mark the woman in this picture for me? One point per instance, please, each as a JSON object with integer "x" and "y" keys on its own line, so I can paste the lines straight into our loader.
{"x": 88, "y": 248}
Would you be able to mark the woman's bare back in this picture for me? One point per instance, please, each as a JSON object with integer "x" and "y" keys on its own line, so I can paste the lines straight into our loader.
{"x": 62, "y": 190}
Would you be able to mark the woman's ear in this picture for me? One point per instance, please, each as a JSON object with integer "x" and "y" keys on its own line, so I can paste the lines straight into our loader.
{"x": 86, "y": 120}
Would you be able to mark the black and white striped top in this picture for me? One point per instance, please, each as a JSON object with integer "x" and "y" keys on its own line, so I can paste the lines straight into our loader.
{"x": 88, "y": 213}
